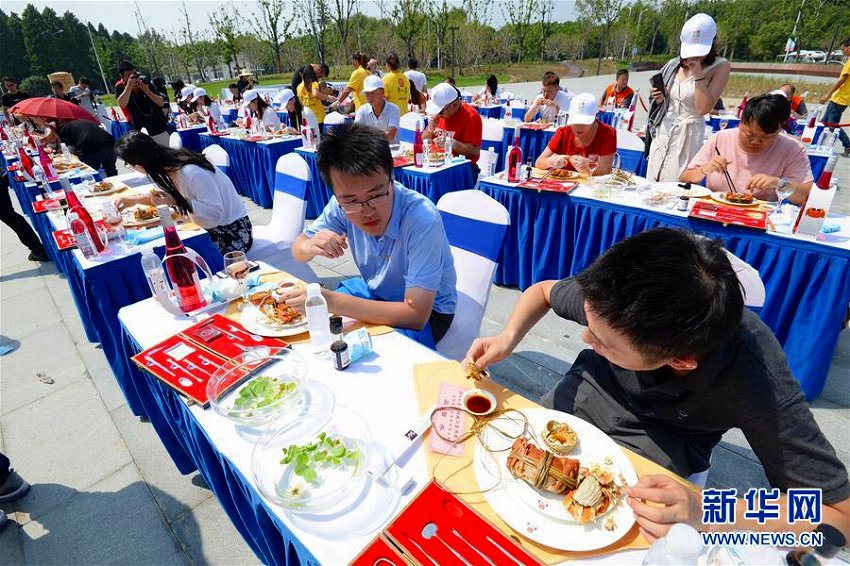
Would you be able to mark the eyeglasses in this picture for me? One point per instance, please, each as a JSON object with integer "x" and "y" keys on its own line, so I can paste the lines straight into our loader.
{"x": 372, "y": 202}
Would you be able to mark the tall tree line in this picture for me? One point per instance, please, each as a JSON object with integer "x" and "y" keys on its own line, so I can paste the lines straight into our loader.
{"x": 276, "y": 36}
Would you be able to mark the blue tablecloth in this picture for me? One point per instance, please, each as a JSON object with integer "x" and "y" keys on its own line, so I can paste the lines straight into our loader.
{"x": 252, "y": 165}
{"x": 432, "y": 185}
{"x": 532, "y": 143}
{"x": 191, "y": 449}
{"x": 714, "y": 122}
{"x": 119, "y": 129}
{"x": 818, "y": 163}
{"x": 191, "y": 137}
{"x": 553, "y": 236}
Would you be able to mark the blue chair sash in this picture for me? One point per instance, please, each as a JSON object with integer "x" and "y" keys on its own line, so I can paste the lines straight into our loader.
{"x": 475, "y": 236}
{"x": 408, "y": 136}
{"x": 224, "y": 169}
{"x": 290, "y": 185}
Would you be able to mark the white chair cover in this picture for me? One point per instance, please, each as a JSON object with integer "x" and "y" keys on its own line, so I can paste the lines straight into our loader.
{"x": 407, "y": 127}
{"x": 475, "y": 225}
{"x": 630, "y": 147}
{"x": 217, "y": 155}
{"x": 175, "y": 141}
{"x": 292, "y": 174}
{"x": 491, "y": 130}
{"x": 334, "y": 118}
{"x": 751, "y": 283}
{"x": 506, "y": 97}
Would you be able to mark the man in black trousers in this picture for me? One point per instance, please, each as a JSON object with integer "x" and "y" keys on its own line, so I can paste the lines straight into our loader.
{"x": 19, "y": 224}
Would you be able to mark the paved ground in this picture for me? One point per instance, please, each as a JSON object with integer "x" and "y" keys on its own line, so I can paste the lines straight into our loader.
{"x": 106, "y": 491}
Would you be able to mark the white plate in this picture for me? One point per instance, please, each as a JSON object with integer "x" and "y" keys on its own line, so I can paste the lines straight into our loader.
{"x": 541, "y": 516}
{"x": 254, "y": 321}
{"x": 721, "y": 197}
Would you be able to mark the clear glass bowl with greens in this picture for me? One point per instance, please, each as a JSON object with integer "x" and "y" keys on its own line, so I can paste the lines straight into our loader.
{"x": 258, "y": 386}
{"x": 316, "y": 463}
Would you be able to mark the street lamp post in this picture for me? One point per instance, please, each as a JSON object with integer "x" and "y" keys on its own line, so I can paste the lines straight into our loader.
{"x": 97, "y": 58}
{"x": 453, "y": 29}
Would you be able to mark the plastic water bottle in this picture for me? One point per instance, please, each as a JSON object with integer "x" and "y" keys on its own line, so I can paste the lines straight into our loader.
{"x": 491, "y": 161}
{"x": 681, "y": 545}
{"x": 81, "y": 235}
{"x": 66, "y": 153}
{"x": 318, "y": 320}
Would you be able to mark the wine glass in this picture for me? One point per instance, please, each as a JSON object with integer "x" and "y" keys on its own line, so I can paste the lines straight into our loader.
{"x": 113, "y": 219}
{"x": 592, "y": 163}
{"x": 237, "y": 268}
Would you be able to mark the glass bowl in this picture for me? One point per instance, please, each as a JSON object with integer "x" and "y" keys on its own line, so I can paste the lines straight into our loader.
{"x": 309, "y": 484}
{"x": 258, "y": 386}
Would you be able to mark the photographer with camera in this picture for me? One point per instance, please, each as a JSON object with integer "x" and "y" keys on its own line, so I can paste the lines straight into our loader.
{"x": 140, "y": 103}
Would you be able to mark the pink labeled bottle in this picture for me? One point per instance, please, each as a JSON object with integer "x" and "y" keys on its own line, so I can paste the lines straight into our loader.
{"x": 515, "y": 159}
{"x": 181, "y": 269}
{"x": 77, "y": 208}
{"x": 418, "y": 147}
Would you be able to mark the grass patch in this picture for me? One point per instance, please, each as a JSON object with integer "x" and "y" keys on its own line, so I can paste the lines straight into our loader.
{"x": 757, "y": 84}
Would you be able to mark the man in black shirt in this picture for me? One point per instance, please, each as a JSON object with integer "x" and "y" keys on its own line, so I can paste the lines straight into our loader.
{"x": 144, "y": 105}
{"x": 676, "y": 361}
{"x": 92, "y": 144}
{"x": 11, "y": 97}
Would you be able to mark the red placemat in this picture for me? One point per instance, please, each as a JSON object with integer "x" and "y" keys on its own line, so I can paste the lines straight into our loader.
{"x": 64, "y": 240}
{"x": 402, "y": 161}
{"x": 724, "y": 214}
{"x": 459, "y": 527}
{"x": 42, "y": 206}
{"x": 549, "y": 185}
{"x": 218, "y": 134}
{"x": 188, "y": 360}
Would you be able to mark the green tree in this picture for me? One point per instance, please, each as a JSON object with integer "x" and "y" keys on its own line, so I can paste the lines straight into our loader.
{"x": 43, "y": 38}
{"x": 273, "y": 28}
{"x": 14, "y": 62}
{"x": 225, "y": 24}
{"x": 519, "y": 15}
{"x": 409, "y": 18}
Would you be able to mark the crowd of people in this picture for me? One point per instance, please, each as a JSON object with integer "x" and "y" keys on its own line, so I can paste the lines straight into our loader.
{"x": 666, "y": 383}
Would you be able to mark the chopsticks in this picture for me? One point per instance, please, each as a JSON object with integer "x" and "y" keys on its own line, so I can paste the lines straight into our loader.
{"x": 726, "y": 174}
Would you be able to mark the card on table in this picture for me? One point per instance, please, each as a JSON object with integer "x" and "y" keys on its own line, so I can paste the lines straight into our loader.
{"x": 725, "y": 214}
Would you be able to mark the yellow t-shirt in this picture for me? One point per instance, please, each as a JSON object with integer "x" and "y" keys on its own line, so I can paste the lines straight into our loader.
{"x": 355, "y": 83}
{"x": 842, "y": 95}
{"x": 397, "y": 90}
{"x": 309, "y": 101}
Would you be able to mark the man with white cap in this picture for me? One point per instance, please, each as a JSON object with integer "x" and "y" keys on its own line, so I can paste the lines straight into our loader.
{"x": 378, "y": 112}
{"x": 449, "y": 113}
{"x": 692, "y": 84}
{"x": 583, "y": 136}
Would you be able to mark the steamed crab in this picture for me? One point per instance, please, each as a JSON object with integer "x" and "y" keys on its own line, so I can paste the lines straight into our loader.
{"x": 597, "y": 492}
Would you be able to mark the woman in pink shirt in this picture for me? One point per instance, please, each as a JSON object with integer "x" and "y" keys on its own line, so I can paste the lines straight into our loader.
{"x": 758, "y": 155}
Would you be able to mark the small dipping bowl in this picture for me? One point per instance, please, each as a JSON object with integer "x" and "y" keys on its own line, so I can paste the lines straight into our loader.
{"x": 479, "y": 402}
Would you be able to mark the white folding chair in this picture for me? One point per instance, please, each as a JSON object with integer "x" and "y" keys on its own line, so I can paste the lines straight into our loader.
{"x": 476, "y": 225}
{"x": 630, "y": 147}
{"x": 492, "y": 132}
{"x": 333, "y": 120}
{"x": 292, "y": 175}
{"x": 407, "y": 127}
{"x": 175, "y": 141}
{"x": 217, "y": 155}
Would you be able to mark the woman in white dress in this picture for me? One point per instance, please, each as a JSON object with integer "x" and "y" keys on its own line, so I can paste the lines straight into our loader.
{"x": 692, "y": 85}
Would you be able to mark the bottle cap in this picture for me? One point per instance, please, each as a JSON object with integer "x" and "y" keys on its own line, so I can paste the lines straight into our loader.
{"x": 314, "y": 290}
{"x": 683, "y": 542}
{"x": 165, "y": 216}
{"x": 833, "y": 541}
{"x": 336, "y": 324}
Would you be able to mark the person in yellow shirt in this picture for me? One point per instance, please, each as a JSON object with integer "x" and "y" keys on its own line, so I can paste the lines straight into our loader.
{"x": 396, "y": 85}
{"x": 310, "y": 94}
{"x": 355, "y": 83}
{"x": 839, "y": 98}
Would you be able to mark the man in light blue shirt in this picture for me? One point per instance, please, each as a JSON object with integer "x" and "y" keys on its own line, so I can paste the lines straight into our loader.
{"x": 378, "y": 113}
{"x": 396, "y": 237}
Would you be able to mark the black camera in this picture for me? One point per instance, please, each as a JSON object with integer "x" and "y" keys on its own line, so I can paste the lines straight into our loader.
{"x": 141, "y": 78}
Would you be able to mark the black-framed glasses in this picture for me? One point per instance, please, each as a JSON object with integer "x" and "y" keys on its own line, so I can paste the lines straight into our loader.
{"x": 373, "y": 202}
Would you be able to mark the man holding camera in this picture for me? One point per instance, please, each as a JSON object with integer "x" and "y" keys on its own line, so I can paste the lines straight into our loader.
{"x": 141, "y": 105}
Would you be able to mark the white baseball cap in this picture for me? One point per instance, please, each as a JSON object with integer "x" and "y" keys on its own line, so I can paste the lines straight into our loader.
{"x": 187, "y": 90}
{"x": 698, "y": 34}
{"x": 284, "y": 96}
{"x": 249, "y": 96}
{"x": 198, "y": 92}
{"x": 372, "y": 83}
{"x": 583, "y": 109}
{"x": 442, "y": 95}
